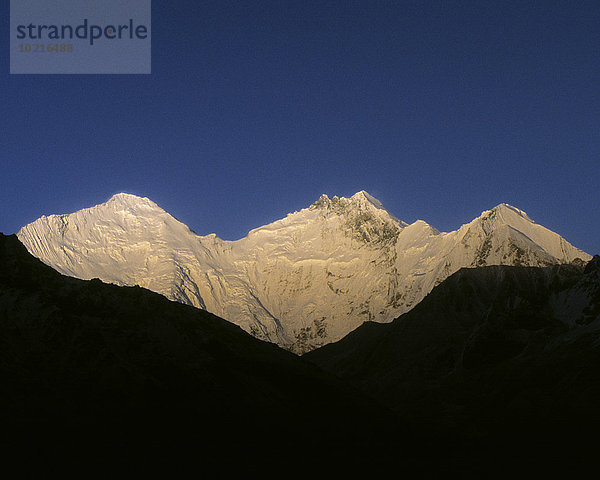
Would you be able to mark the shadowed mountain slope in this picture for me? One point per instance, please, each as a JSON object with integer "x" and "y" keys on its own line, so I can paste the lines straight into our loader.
{"x": 493, "y": 358}
{"x": 90, "y": 370}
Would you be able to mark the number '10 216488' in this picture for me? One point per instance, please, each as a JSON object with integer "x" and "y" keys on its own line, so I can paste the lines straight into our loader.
{"x": 45, "y": 47}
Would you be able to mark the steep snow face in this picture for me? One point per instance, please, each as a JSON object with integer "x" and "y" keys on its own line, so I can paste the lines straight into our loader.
{"x": 302, "y": 281}
{"x": 128, "y": 240}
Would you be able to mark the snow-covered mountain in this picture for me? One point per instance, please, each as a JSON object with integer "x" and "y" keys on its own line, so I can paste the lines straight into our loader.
{"x": 303, "y": 281}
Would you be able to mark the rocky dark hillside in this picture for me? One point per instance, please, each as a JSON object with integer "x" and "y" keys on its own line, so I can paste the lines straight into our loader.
{"x": 499, "y": 367}
{"x": 96, "y": 372}
{"x": 499, "y": 361}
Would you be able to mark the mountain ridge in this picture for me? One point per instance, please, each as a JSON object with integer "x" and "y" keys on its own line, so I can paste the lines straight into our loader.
{"x": 302, "y": 281}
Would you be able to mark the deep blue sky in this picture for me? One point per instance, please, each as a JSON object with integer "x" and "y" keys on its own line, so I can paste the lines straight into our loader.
{"x": 439, "y": 109}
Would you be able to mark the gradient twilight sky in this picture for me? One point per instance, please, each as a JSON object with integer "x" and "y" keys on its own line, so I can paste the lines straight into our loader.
{"x": 440, "y": 109}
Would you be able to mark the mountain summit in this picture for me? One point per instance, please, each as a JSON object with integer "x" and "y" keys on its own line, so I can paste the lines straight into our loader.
{"x": 301, "y": 282}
